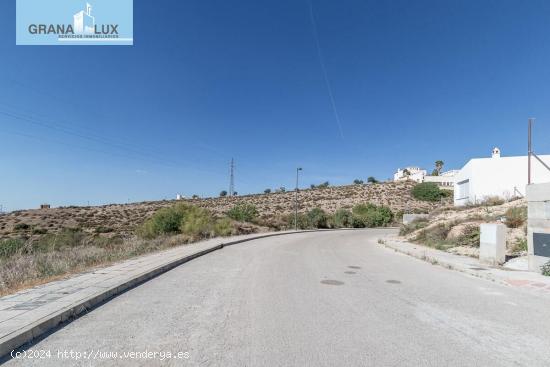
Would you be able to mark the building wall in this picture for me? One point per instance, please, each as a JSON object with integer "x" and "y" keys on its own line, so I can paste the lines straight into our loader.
{"x": 500, "y": 176}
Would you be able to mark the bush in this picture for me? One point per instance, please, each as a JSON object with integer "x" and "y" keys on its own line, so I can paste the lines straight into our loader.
{"x": 515, "y": 217}
{"x": 10, "y": 247}
{"x": 469, "y": 237}
{"x": 428, "y": 191}
{"x": 317, "y": 218}
{"x": 180, "y": 218}
{"x": 243, "y": 212}
{"x": 164, "y": 221}
{"x": 267, "y": 191}
{"x": 415, "y": 225}
{"x": 545, "y": 269}
{"x": 302, "y": 221}
{"x": 197, "y": 222}
{"x": 372, "y": 180}
{"x": 520, "y": 245}
{"x": 223, "y": 227}
{"x": 491, "y": 201}
{"x": 357, "y": 182}
{"x": 342, "y": 218}
{"x": 21, "y": 227}
{"x": 370, "y": 215}
{"x": 223, "y": 193}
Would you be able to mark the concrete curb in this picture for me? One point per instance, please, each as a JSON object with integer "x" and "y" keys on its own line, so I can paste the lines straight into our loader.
{"x": 34, "y": 330}
{"x": 466, "y": 265}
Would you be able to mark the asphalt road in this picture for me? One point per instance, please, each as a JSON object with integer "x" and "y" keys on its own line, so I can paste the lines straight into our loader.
{"x": 316, "y": 299}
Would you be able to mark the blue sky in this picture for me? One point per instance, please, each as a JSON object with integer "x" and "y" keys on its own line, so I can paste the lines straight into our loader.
{"x": 207, "y": 80}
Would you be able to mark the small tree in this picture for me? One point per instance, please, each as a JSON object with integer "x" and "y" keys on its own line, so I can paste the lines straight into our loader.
{"x": 235, "y": 193}
{"x": 195, "y": 196}
{"x": 439, "y": 167}
{"x": 243, "y": 212}
{"x": 358, "y": 181}
{"x": 427, "y": 191}
{"x": 317, "y": 218}
{"x": 223, "y": 193}
{"x": 323, "y": 185}
{"x": 372, "y": 180}
{"x": 312, "y": 186}
{"x": 282, "y": 189}
{"x": 267, "y": 191}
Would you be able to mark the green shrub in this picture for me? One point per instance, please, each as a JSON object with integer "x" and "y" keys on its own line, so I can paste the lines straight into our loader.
{"x": 164, "y": 221}
{"x": 302, "y": 221}
{"x": 435, "y": 236}
{"x": 10, "y": 247}
{"x": 267, "y": 191}
{"x": 197, "y": 222}
{"x": 520, "y": 245}
{"x": 515, "y": 217}
{"x": 21, "y": 227}
{"x": 66, "y": 238}
{"x": 223, "y": 227}
{"x": 342, "y": 218}
{"x": 468, "y": 237}
{"x": 317, "y": 218}
{"x": 102, "y": 229}
{"x": 415, "y": 225}
{"x": 223, "y": 193}
{"x": 428, "y": 191}
{"x": 243, "y": 212}
{"x": 180, "y": 218}
{"x": 39, "y": 231}
{"x": 545, "y": 269}
{"x": 370, "y": 215}
{"x": 357, "y": 182}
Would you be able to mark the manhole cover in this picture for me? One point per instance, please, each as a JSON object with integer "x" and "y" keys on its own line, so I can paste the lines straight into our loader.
{"x": 350, "y": 272}
{"x": 354, "y": 267}
{"x": 393, "y": 281}
{"x": 331, "y": 282}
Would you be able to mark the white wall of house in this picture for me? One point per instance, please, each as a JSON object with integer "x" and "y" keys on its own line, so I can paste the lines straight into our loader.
{"x": 505, "y": 177}
{"x": 415, "y": 174}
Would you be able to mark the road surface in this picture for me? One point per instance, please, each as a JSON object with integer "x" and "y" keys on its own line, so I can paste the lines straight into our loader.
{"x": 314, "y": 299}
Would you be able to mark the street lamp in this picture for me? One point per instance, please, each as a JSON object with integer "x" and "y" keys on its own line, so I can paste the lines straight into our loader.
{"x": 296, "y": 201}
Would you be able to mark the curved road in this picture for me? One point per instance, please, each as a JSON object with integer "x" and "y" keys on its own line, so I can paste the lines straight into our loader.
{"x": 313, "y": 299}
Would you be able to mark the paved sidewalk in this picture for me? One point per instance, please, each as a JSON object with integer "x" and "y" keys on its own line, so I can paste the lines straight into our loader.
{"x": 524, "y": 280}
{"x": 28, "y": 314}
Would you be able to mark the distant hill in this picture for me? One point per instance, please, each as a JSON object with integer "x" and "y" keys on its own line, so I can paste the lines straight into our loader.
{"x": 122, "y": 219}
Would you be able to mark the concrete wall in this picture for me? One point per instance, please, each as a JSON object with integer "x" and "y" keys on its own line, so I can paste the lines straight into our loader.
{"x": 505, "y": 177}
{"x": 538, "y": 203}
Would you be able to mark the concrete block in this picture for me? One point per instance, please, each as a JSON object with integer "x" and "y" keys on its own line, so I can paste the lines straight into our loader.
{"x": 538, "y": 192}
{"x": 492, "y": 249}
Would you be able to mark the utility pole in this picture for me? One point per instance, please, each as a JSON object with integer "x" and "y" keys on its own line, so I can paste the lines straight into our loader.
{"x": 296, "y": 201}
{"x": 232, "y": 178}
{"x": 529, "y": 150}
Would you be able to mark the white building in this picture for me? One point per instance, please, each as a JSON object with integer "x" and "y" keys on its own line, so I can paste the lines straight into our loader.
{"x": 410, "y": 173}
{"x": 505, "y": 177}
{"x": 84, "y": 22}
{"x": 445, "y": 179}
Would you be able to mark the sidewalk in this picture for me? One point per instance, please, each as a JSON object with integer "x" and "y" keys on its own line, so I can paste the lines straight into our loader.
{"x": 28, "y": 314}
{"x": 524, "y": 280}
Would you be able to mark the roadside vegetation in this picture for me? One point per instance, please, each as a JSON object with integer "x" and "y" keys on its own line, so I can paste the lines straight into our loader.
{"x": 429, "y": 191}
{"x": 456, "y": 229}
{"x": 361, "y": 216}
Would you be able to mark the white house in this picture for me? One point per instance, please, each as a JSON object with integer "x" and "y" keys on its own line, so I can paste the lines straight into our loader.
{"x": 410, "y": 173}
{"x": 445, "y": 179}
{"x": 505, "y": 177}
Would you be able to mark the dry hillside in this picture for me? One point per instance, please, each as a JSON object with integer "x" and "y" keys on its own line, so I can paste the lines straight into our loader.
{"x": 123, "y": 218}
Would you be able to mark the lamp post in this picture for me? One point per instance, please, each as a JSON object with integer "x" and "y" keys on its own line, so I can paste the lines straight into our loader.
{"x": 296, "y": 200}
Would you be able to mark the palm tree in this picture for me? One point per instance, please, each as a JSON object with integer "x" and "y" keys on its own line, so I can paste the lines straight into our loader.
{"x": 438, "y": 167}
